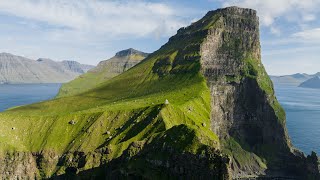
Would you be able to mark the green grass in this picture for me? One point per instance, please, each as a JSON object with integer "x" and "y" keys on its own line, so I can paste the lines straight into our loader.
{"x": 254, "y": 69}
{"x": 97, "y": 76}
{"x": 114, "y": 113}
{"x": 125, "y": 109}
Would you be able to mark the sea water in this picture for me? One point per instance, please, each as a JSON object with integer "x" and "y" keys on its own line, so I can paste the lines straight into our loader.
{"x": 12, "y": 95}
{"x": 302, "y": 106}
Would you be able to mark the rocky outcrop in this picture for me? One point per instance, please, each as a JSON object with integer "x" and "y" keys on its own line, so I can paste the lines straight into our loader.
{"x": 18, "y": 165}
{"x": 17, "y": 69}
{"x": 244, "y": 110}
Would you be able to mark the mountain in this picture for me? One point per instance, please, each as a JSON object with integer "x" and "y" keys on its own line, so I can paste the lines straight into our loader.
{"x": 200, "y": 107}
{"x": 294, "y": 79}
{"x": 76, "y": 67}
{"x": 17, "y": 69}
{"x": 122, "y": 61}
{"x": 311, "y": 83}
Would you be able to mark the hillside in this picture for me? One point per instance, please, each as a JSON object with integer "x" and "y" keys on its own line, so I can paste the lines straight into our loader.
{"x": 311, "y": 83}
{"x": 200, "y": 107}
{"x": 16, "y": 69}
{"x": 122, "y": 61}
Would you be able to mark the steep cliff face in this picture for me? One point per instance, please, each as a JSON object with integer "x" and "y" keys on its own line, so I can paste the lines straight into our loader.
{"x": 245, "y": 113}
{"x": 201, "y": 107}
{"x": 121, "y": 62}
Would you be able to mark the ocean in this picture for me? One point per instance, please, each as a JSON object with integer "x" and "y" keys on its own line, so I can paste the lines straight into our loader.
{"x": 302, "y": 106}
{"x": 12, "y": 95}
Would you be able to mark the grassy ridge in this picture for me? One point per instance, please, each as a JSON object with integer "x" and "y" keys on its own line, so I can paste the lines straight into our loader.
{"x": 125, "y": 109}
{"x": 103, "y": 72}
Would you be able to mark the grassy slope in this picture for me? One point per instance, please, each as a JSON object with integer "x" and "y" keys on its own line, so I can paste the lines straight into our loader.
{"x": 125, "y": 109}
{"x": 96, "y": 76}
{"x": 130, "y": 107}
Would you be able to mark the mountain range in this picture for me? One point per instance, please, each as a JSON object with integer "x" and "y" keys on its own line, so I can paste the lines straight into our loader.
{"x": 16, "y": 69}
{"x": 294, "y": 79}
{"x": 311, "y": 83}
{"x": 200, "y": 107}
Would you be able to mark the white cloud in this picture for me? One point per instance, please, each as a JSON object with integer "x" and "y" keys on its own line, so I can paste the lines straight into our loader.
{"x": 275, "y": 30}
{"x": 310, "y": 35}
{"x": 269, "y": 10}
{"x": 138, "y": 18}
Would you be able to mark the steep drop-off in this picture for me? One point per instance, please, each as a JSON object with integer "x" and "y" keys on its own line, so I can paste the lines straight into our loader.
{"x": 201, "y": 107}
{"x": 121, "y": 62}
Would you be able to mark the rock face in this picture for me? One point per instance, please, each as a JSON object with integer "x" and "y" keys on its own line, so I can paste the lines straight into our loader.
{"x": 121, "y": 62}
{"x": 244, "y": 109}
{"x": 17, "y": 69}
{"x": 311, "y": 83}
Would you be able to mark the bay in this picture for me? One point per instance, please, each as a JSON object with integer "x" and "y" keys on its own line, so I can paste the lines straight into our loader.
{"x": 302, "y": 106}
{"x": 12, "y": 95}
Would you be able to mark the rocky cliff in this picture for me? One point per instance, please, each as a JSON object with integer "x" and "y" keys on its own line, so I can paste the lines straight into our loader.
{"x": 107, "y": 69}
{"x": 17, "y": 69}
{"x": 201, "y": 107}
{"x": 244, "y": 110}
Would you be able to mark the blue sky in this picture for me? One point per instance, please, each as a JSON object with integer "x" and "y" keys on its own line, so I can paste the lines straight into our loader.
{"x": 89, "y": 31}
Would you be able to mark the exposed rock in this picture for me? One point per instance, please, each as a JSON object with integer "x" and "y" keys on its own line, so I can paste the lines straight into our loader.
{"x": 72, "y": 122}
{"x": 243, "y": 109}
{"x": 166, "y": 102}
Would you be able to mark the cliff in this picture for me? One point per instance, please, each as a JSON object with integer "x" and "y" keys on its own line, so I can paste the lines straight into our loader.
{"x": 17, "y": 69}
{"x": 201, "y": 107}
{"x": 107, "y": 69}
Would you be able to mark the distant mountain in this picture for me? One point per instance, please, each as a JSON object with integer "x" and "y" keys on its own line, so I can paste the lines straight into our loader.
{"x": 294, "y": 79}
{"x": 16, "y": 69}
{"x": 311, "y": 83}
{"x": 105, "y": 70}
{"x": 77, "y": 67}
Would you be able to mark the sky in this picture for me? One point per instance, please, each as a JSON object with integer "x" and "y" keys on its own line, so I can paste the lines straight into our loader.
{"x": 89, "y": 31}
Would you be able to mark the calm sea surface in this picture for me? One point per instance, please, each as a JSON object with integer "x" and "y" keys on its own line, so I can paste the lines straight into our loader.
{"x": 302, "y": 106}
{"x": 20, "y": 94}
